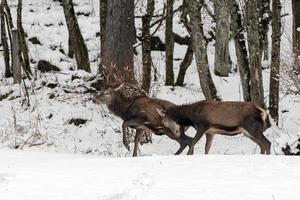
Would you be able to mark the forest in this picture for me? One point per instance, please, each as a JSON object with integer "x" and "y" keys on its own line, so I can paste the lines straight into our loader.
{"x": 85, "y": 85}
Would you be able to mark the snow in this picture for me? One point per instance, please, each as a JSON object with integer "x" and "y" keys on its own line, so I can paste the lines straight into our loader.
{"x": 34, "y": 175}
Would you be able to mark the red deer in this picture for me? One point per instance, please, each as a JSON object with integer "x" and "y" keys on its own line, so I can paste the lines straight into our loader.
{"x": 215, "y": 117}
{"x": 140, "y": 113}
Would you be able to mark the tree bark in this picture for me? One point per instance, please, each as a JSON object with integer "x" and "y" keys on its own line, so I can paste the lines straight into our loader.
{"x": 199, "y": 47}
{"x": 275, "y": 62}
{"x": 296, "y": 34}
{"x": 103, "y": 16}
{"x": 118, "y": 45}
{"x": 257, "y": 93}
{"x": 76, "y": 41}
{"x": 241, "y": 49}
{"x": 169, "y": 43}
{"x": 186, "y": 62}
{"x": 222, "y": 64}
{"x": 146, "y": 46}
{"x": 23, "y": 45}
{"x": 4, "y": 40}
{"x": 16, "y": 55}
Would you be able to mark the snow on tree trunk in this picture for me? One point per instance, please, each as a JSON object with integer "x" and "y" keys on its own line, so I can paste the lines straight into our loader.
{"x": 241, "y": 49}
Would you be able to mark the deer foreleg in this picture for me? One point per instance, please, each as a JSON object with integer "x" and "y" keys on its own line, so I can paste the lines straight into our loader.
{"x": 126, "y": 124}
{"x": 138, "y": 135}
{"x": 209, "y": 141}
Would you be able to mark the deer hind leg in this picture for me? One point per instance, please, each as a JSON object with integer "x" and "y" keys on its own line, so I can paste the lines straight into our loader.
{"x": 255, "y": 133}
{"x": 209, "y": 142}
{"x": 198, "y": 136}
{"x": 138, "y": 135}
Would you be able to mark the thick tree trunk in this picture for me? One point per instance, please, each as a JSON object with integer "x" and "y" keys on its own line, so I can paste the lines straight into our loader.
{"x": 186, "y": 62}
{"x": 76, "y": 41}
{"x": 296, "y": 34}
{"x": 103, "y": 16}
{"x": 118, "y": 45}
{"x": 222, "y": 64}
{"x": 16, "y": 55}
{"x": 169, "y": 43}
{"x": 275, "y": 62}
{"x": 146, "y": 46}
{"x": 264, "y": 16}
{"x": 199, "y": 47}
{"x": 241, "y": 49}
{"x": 23, "y": 45}
{"x": 257, "y": 92}
{"x": 4, "y": 40}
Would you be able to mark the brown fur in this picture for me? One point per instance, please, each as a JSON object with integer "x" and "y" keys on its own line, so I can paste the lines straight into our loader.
{"x": 140, "y": 113}
{"x": 225, "y": 118}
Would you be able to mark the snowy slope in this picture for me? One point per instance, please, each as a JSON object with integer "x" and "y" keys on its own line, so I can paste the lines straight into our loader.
{"x": 33, "y": 176}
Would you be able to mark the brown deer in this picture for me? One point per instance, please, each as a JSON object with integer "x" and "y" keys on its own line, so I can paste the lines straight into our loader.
{"x": 140, "y": 113}
{"x": 215, "y": 117}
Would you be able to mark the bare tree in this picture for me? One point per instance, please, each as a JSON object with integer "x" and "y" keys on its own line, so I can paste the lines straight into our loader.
{"x": 296, "y": 34}
{"x": 264, "y": 17}
{"x": 240, "y": 48}
{"x": 16, "y": 55}
{"x": 169, "y": 43}
{"x": 4, "y": 40}
{"x": 146, "y": 45}
{"x": 199, "y": 47}
{"x": 76, "y": 42}
{"x": 186, "y": 62}
{"x": 257, "y": 92}
{"x": 222, "y": 38}
{"x": 23, "y": 45}
{"x": 117, "y": 49}
{"x": 275, "y": 62}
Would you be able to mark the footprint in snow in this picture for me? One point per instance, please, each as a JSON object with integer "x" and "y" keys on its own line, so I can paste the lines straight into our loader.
{"x": 5, "y": 177}
{"x": 141, "y": 184}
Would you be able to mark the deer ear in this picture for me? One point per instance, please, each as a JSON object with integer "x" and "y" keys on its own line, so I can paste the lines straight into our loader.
{"x": 161, "y": 112}
{"x": 120, "y": 86}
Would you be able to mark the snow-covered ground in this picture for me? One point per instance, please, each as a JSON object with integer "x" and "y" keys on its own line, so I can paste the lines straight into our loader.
{"x": 34, "y": 175}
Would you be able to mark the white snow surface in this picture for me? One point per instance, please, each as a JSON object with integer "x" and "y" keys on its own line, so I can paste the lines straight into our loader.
{"x": 34, "y": 175}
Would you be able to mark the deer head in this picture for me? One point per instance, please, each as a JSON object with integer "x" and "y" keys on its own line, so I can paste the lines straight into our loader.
{"x": 107, "y": 96}
{"x": 167, "y": 122}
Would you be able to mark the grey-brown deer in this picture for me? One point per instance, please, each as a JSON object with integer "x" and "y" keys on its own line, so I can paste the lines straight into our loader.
{"x": 215, "y": 117}
{"x": 140, "y": 113}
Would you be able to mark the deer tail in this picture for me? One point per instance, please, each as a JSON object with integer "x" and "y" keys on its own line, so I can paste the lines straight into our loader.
{"x": 263, "y": 114}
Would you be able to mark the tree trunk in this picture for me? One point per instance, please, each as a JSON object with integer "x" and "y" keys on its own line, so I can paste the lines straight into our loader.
{"x": 76, "y": 41}
{"x": 264, "y": 16}
{"x": 169, "y": 43}
{"x": 16, "y": 55}
{"x": 222, "y": 38}
{"x": 186, "y": 62}
{"x": 103, "y": 16}
{"x": 118, "y": 45}
{"x": 257, "y": 92}
{"x": 296, "y": 34}
{"x": 241, "y": 49}
{"x": 23, "y": 45}
{"x": 199, "y": 47}
{"x": 146, "y": 45}
{"x": 4, "y": 39}
{"x": 275, "y": 62}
